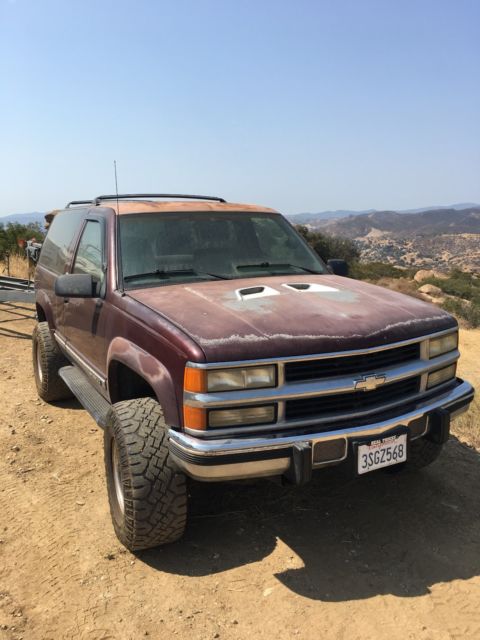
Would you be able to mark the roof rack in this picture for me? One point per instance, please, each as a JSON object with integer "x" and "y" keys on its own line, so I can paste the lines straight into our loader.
{"x": 132, "y": 196}
{"x": 74, "y": 202}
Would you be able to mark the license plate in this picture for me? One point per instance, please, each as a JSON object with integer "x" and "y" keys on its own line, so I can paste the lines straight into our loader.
{"x": 380, "y": 453}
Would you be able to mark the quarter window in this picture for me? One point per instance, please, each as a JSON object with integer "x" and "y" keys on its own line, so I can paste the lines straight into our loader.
{"x": 56, "y": 251}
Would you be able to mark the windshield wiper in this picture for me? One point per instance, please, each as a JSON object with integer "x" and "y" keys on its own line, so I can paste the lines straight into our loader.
{"x": 280, "y": 265}
{"x": 174, "y": 272}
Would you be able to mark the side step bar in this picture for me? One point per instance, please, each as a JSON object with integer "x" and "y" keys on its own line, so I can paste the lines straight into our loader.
{"x": 86, "y": 394}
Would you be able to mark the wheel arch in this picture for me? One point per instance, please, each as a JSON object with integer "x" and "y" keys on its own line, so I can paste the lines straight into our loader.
{"x": 134, "y": 373}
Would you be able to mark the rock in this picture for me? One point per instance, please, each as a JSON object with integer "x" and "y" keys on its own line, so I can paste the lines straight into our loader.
{"x": 433, "y": 299}
{"x": 423, "y": 274}
{"x": 431, "y": 290}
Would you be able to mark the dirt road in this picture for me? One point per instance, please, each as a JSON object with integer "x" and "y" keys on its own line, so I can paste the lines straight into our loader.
{"x": 388, "y": 557}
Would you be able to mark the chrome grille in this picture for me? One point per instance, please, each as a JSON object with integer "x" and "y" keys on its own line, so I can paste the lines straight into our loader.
{"x": 345, "y": 365}
{"x": 353, "y": 402}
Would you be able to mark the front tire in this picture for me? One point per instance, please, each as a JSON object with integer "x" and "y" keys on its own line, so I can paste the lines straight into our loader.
{"x": 146, "y": 492}
{"x": 47, "y": 361}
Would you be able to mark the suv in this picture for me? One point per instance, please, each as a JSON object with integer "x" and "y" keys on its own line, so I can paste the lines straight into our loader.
{"x": 210, "y": 342}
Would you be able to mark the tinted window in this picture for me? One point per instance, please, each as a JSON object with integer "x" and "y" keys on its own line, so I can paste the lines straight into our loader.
{"x": 172, "y": 247}
{"x": 56, "y": 248}
{"x": 89, "y": 257}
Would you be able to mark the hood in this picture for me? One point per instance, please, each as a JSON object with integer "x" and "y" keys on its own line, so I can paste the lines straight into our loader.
{"x": 281, "y": 316}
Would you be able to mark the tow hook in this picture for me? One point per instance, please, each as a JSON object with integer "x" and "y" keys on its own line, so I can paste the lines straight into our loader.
{"x": 439, "y": 430}
{"x": 300, "y": 471}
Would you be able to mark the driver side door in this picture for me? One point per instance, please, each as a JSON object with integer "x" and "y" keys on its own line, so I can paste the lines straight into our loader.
{"x": 84, "y": 319}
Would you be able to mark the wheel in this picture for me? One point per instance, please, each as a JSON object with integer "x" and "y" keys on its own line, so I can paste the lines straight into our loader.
{"x": 47, "y": 360}
{"x": 146, "y": 492}
{"x": 422, "y": 453}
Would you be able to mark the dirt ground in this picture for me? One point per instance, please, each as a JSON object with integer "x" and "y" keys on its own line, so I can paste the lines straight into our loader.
{"x": 390, "y": 556}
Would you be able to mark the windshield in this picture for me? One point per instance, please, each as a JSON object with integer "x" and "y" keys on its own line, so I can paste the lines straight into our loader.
{"x": 167, "y": 248}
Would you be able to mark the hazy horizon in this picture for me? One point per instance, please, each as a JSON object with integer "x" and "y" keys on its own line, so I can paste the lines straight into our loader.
{"x": 312, "y": 106}
{"x": 313, "y": 211}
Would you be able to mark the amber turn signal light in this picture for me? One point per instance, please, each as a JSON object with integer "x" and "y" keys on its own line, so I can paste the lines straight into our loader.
{"x": 194, "y": 418}
{"x": 195, "y": 380}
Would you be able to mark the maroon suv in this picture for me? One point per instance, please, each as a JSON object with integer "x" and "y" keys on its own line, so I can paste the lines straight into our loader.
{"x": 210, "y": 341}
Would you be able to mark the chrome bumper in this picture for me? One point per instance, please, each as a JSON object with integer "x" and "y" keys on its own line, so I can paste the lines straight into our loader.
{"x": 272, "y": 455}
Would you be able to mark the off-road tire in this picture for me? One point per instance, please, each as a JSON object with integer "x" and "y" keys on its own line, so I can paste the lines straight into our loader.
{"x": 422, "y": 453}
{"x": 153, "y": 490}
{"x": 47, "y": 360}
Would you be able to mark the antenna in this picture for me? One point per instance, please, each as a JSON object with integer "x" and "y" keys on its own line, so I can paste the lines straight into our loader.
{"x": 116, "y": 182}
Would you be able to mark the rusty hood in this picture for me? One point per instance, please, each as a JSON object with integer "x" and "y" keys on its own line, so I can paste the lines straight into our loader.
{"x": 291, "y": 315}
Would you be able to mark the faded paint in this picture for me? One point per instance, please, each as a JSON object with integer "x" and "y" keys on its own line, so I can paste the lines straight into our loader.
{"x": 355, "y": 315}
{"x": 151, "y": 206}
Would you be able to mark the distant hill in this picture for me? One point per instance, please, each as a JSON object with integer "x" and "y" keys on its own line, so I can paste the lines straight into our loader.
{"x": 305, "y": 218}
{"x": 23, "y": 218}
{"x": 313, "y": 218}
{"x": 433, "y": 239}
{"x": 400, "y": 225}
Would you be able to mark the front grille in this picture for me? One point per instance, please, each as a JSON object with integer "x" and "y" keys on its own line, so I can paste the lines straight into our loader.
{"x": 351, "y": 402}
{"x": 345, "y": 365}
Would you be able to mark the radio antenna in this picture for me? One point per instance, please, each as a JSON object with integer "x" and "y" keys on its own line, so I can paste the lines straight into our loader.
{"x": 116, "y": 182}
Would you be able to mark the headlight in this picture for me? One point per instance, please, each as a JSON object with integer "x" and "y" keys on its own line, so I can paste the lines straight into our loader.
{"x": 205, "y": 380}
{"x": 245, "y": 378}
{"x": 245, "y": 415}
{"x": 441, "y": 375}
{"x": 447, "y": 343}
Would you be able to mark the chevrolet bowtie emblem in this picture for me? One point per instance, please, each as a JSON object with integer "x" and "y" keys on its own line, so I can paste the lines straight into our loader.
{"x": 369, "y": 383}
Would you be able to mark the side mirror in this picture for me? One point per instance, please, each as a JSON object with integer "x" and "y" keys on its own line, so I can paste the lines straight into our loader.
{"x": 338, "y": 267}
{"x": 75, "y": 285}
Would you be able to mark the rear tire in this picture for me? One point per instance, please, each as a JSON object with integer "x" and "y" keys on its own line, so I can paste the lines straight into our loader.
{"x": 47, "y": 361}
{"x": 146, "y": 492}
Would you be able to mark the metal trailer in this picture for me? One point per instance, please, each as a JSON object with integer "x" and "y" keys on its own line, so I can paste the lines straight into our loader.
{"x": 16, "y": 290}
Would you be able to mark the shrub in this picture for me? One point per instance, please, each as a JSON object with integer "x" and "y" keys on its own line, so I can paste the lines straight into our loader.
{"x": 329, "y": 247}
{"x": 376, "y": 270}
{"x": 469, "y": 312}
{"x": 12, "y": 234}
{"x": 460, "y": 284}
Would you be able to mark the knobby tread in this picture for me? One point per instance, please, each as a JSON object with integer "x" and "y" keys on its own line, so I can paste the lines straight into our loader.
{"x": 51, "y": 387}
{"x": 155, "y": 491}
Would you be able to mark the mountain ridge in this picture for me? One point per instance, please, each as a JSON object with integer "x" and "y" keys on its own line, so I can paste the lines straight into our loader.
{"x": 311, "y": 218}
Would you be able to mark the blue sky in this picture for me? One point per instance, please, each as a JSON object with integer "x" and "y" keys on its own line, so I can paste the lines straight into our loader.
{"x": 304, "y": 106}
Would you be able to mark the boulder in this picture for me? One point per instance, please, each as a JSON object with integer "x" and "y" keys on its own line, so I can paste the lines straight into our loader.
{"x": 425, "y": 274}
{"x": 431, "y": 290}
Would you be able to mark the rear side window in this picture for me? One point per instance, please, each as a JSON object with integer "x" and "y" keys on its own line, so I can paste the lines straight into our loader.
{"x": 89, "y": 258}
{"x": 56, "y": 248}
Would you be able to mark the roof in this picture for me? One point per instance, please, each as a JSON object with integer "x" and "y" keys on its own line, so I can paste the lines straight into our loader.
{"x": 148, "y": 206}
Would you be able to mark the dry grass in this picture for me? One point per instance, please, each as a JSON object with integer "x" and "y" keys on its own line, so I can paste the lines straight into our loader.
{"x": 17, "y": 267}
{"x": 467, "y": 426}
{"x": 402, "y": 285}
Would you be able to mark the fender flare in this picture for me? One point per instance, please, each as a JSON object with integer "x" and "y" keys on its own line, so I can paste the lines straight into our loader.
{"x": 43, "y": 301}
{"x": 151, "y": 370}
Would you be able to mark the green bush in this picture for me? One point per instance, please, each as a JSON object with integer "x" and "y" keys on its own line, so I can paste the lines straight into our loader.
{"x": 329, "y": 247}
{"x": 376, "y": 270}
{"x": 12, "y": 233}
{"x": 460, "y": 284}
{"x": 469, "y": 312}
{"x": 466, "y": 289}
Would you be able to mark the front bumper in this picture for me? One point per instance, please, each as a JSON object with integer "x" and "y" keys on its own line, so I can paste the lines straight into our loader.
{"x": 296, "y": 454}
